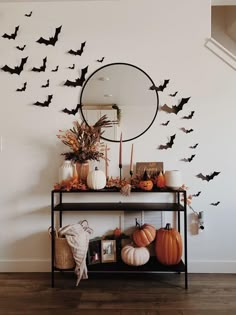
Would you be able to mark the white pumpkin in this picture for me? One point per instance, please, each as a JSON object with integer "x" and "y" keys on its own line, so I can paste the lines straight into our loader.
{"x": 135, "y": 256}
{"x": 96, "y": 179}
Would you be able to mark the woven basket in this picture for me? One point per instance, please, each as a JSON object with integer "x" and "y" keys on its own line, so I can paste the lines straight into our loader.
{"x": 63, "y": 255}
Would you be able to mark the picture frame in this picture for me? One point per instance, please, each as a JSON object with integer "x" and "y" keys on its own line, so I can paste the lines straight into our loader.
{"x": 94, "y": 251}
{"x": 108, "y": 251}
{"x": 152, "y": 168}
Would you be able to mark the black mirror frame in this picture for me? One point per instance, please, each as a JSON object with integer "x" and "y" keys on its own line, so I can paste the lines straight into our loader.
{"x": 152, "y": 84}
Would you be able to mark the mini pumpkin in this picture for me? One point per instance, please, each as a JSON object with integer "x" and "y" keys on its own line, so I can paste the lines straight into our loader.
{"x": 146, "y": 183}
{"x": 96, "y": 179}
{"x": 135, "y": 256}
{"x": 168, "y": 245}
{"x": 144, "y": 234}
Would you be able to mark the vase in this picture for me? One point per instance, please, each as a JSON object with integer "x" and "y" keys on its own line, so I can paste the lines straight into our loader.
{"x": 82, "y": 171}
{"x": 66, "y": 170}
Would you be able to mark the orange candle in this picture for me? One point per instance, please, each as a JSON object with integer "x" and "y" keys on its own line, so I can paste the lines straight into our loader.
{"x": 120, "y": 152}
{"x": 131, "y": 159}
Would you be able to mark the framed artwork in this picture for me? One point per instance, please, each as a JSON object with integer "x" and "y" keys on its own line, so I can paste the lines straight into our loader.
{"x": 108, "y": 251}
{"x": 94, "y": 252}
{"x": 152, "y": 168}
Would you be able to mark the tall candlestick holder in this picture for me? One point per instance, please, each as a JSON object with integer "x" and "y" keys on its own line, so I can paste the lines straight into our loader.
{"x": 120, "y": 167}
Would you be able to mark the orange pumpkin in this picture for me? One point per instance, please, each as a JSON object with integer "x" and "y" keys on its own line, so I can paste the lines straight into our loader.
{"x": 117, "y": 232}
{"x": 146, "y": 183}
{"x": 168, "y": 246}
{"x": 144, "y": 234}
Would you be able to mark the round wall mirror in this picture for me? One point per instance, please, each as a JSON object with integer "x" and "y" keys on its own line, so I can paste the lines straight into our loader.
{"x": 122, "y": 92}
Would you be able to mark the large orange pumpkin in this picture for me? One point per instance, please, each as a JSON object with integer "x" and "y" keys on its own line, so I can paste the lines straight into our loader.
{"x": 168, "y": 245}
{"x": 144, "y": 234}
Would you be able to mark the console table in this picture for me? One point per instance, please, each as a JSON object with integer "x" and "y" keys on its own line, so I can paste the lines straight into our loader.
{"x": 58, "y": 206}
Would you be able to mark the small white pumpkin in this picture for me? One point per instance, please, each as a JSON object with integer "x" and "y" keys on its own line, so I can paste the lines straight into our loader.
{"x": 96, "y": 179}
{"x": 135, "y": 256}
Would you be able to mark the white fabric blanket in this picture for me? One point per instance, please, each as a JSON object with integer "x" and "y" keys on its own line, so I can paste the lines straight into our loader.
{"x": 77, "y": 236}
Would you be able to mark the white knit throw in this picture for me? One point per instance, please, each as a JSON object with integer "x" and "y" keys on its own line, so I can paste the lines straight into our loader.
{"x": 77, "y": 236}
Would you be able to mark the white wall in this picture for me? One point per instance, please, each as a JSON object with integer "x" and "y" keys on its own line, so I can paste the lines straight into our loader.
{"x": 166, "y": 40}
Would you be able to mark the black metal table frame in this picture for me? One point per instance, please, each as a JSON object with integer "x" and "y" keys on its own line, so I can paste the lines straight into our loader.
{"x": 61, "y": 207}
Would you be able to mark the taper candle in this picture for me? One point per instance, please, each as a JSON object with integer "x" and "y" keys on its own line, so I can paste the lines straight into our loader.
{"x": 131, "y": 160}
{"x": 106, "y": 162}
{"x": 120, "y": 152}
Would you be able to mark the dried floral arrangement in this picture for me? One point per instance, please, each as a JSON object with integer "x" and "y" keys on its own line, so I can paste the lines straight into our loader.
{"x": 84, "y": 140}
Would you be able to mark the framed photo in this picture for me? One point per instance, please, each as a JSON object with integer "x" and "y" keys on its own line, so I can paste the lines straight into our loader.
{"x": 108, "y": 251}
{"x": 152, "y": 168}
{"x": 94, "y": 252}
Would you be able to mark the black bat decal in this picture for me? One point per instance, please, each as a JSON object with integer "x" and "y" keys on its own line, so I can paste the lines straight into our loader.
{"x": 186, "y": 130}
{"x": 174, "y": 94}
{"x": 21, "y": 48}
{"x": 29, "y": 14}
{"x": 13, "y": 35}
{"x": 23, "y": 88}
{"x": 52, "y": 40}
{"x": 160, "y": 87}
{"x": 73, "y": 111}
{"x": 45, "y": 103}
{"x": 197, "y": 194}
{"x": 190, "y": 116}
{"x": 79, "y": 51}
{"x": 215, "y": 203}
{"x": 16, "y": 69}
{"x": 193, "y": 146}
{"x": 100, "y": 60}
{"x": 45, "y": 85}
{"x": 168, "y": 144}
{"x": 72, "y": 67}
{"x": 188, "y": 159}
{"x": 176, "y": 108}
{"x": 42, "y": 68}
{"x": 207, "y": 177}
{"x": 79, "y": 81}
{"x": 166, "y": 123}
{"x": 55, "y": 70}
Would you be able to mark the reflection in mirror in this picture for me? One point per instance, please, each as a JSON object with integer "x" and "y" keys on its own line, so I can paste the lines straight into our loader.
{"x": 122, "y": 92}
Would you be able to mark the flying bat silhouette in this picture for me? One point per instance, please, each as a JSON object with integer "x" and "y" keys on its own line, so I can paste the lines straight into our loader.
{"x": 52, "y": 40}
{"x": 174, "y": 94}
{"x": 55, "y": 70}
{"x": 197, "y": 194}
{"x": 215, "y": 203}
{"x": 21, "y": 48}
{"x": 100, "y": 60}
{"x": 190, "y": 116}
{"x": 72, "y": 67}
{"x": 193, "y": 146}
{"x": 188, "y": 159}
{"x": 13, "y": 35}
{"x": 166, "y": 123}
{"x": 45, "y": 103}
{"x": 186, "y": 130}
{"x": 42, "y": 68}
{"x": 168, "y": 144}
{"x": 79, "y": 81}
{"x": 79, "y": 51}
{"x": 23, "y": 88}
{"x": 73, "y": 111}
{"x": 176, "y": 108}
{"x": 16, "y": 69}
{"x": 207, "y": 177}
{"x": 160, "y": 87}
{"x": 29, "y": 14}
{"x": 45, "y": 85}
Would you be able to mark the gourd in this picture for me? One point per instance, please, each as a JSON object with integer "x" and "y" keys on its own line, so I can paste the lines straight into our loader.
{"x": 146, "y": 183}
{"x": 96, "y": 179}
{"x": 160, "y": 180}
{"x": 144, "y": 234}
{"x": 135, "y": 256}
{"x": 168, "y": 245}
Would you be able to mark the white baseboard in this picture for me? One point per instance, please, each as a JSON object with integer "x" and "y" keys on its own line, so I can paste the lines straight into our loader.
{"x": 194, "y": 266}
